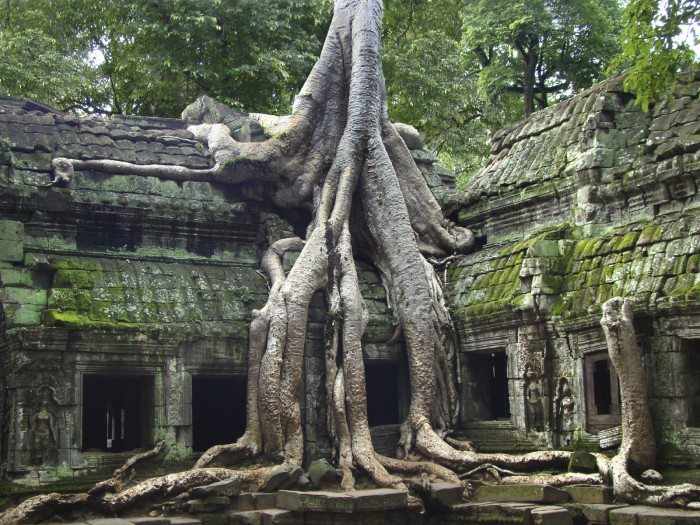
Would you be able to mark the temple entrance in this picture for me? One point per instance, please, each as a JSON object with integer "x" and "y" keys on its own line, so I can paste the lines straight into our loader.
{"x": 488, "y": 379}
{"x": 218, "y": 410}
{"x": 602, "y": 392}
{"x": 117, "y": 412}
{"x": 382, "y": 380}
{"x": 691, "y": 350}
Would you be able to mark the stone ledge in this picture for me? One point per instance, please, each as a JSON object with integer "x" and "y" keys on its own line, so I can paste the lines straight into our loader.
{"x": 521, "y": 494}
{"x": 342, "y": 502}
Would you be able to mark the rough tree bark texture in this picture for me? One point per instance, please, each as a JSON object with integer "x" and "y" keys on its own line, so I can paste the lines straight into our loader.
{"x": 638, "y": 448}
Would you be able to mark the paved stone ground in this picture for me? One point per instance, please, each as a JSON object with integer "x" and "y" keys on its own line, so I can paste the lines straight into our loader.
{"x": 444, "y": 504}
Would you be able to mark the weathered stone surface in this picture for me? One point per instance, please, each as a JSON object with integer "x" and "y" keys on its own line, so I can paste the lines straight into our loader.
{"x": 590, "y": 494}
{"x": 276, "y": 516}
{"x": 245, "y": 518}
{"x": 228, "y": 487}
{"x": 184, "y": 521}
{"x": 109, "y": 521}
{"x": 642, "y": 515}
{"x": 315, "y": 501}
{"x": 446, "y": 494}
{"x": 521, "y": 493}
{"x": 150, "y": 521}
{"x": 551, "y": 515}
{"x": 322, "y": 473}
{"x": 582, "y": 462}
{"x": 208, "y": 504}
{"x": 342, "y": 502}
{"x": 497, "y": 513}
{"x": 598, "y": 512}
{"x": 379, "y": 499}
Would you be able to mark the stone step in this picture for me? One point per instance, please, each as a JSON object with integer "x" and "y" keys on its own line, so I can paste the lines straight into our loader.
{"x": 263, "y": 517}
{"x": 551, "y": 515}
{"x": 521, "y": 494}
{"x": 342, "y": 502}
{"x": 497, "y": 513}
{"x": 254, "y": 501}
{"x": 590, "y": 494}
{"x": 445, "y": 494}
{"x": 643, "y": 515}
{"x": 145, "y": 520}
{"x": 598, "y": 513}
{"x": 497, "y": 436}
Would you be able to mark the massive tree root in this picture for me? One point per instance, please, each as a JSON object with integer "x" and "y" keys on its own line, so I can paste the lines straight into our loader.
{"x": 638, "y": 449}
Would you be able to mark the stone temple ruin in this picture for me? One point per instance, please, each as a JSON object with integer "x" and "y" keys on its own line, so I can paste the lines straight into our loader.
{"x": 125, "y": 301}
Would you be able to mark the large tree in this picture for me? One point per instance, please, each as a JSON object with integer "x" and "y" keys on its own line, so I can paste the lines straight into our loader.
{"x": 541, "y": 48}
{"x": 338, "y": 159}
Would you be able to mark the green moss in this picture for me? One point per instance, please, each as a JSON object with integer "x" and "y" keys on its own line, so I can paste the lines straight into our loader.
{"x": 627, "y": 241}
{"x": 72, "y": 319}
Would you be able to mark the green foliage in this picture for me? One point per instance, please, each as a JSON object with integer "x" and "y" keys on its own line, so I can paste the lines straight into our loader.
{"x": 154, "y": 57}
{"x": 432, "y": 82}
{"x": 540, "y": 48}
{"x": 657, "y": 42}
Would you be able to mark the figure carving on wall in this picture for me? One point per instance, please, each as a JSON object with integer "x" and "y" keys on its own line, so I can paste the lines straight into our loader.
{"x": 533, "y": 398}
{"x": 43, "y": 437}
{"x": 564, "y": 406}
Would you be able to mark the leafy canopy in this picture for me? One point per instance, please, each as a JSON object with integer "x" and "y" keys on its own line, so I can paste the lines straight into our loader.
{"x": 155, "y": 56}
{"x": 567, "y": 43}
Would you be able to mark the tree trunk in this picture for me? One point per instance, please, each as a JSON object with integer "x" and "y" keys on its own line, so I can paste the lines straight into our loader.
{"x": 638, "y": 448}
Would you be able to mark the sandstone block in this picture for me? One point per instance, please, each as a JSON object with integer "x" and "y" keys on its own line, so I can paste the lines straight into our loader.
{"x": 227, "y": 487}
{"x": 521, "y": 493}
{"x": 245, "y": 518}
{"x": 276, "y": 517}
{"x": 551, "y": 516}
{"x": 598, "y": 512}
{"x": 590, "y": 494}
{"x": 446, "y": 494}
{"x": 379, "y": 499}
{"x": 315, "y": 501}
{"x": 322, "y": 473}
{"x": 109, "y": 521}
{"x": 150, "y": 521}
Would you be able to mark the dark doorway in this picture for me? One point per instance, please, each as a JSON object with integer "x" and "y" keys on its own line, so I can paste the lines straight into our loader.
{"x": 218, "y": 410}
{"x": 602, "y": 392}
{"x": 117, "y": 412}
{"x": 382, "y": 380}
{"x": 488, "y": 379}
{"x": 602, "y": 389}
{"x": 691, "y": 350}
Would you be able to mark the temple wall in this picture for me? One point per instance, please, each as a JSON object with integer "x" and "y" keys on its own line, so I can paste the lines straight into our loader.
{"x": 146, "y": 280}
{"x": 586, "y": 200}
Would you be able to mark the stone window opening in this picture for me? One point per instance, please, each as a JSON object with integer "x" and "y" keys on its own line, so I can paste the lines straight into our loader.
{"x": 488, "y": 378}
{"x": 602, "y": 392}
{"x": 382, "y": 379}
{"x": 218, "y": 410}
{"x": 117, "y": 413}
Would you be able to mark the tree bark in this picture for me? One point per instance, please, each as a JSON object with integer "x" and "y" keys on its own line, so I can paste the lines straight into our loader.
{"x": 638, "y": 447}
